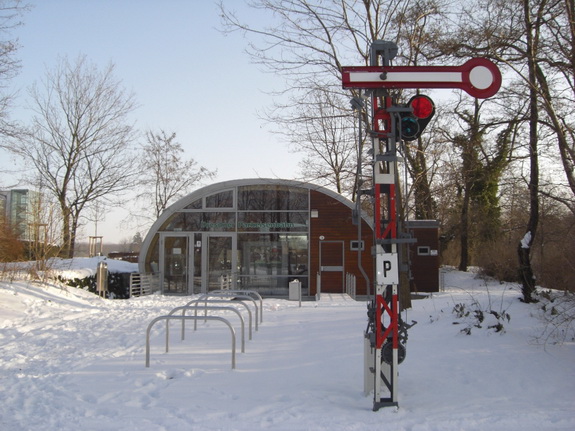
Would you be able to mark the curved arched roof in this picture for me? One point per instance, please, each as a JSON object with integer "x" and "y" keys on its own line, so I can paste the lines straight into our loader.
{"x": 226, "y": 185}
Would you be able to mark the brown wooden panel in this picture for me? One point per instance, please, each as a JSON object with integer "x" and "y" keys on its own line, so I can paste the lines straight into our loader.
{"x": 425, "y": 268}
{"x": 334, "y": 223}
{"x": 332, "y": 282}
{"x": 331, "y": 253}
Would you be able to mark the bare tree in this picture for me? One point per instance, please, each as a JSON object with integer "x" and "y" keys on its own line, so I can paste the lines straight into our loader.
{"x": 326, "y": 134}
{"x": 511, "y": 33}
{"x": 10, "y": 13}
{"x": 165, "y": 177}
{"x": 483, "y": 160}
{"x": 79, "y": 140}
{"x": 547, "y": 51}
{"x": 309, "y": 42}
{"x": 532, "y": 33}
{"x": 555, "y": 74}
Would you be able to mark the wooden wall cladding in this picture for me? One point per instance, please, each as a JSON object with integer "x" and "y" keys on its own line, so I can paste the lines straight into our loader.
{"x": 425, "y": 267}
{"x": 334, "y": 223}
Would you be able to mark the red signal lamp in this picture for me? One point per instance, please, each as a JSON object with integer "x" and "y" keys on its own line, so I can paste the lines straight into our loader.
{"x": 413, "y": 123}
{"x": 422, "y": 106}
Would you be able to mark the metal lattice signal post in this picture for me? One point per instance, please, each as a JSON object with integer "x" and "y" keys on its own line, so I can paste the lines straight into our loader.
{"x": 478, "y": 77}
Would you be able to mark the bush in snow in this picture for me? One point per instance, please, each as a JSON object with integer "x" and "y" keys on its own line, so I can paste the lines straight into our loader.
{"x": 118, "y": 284}
{"x": 474, "y": 316}
{"x": 558, "y": 314}
{"x": 493, "y": 315}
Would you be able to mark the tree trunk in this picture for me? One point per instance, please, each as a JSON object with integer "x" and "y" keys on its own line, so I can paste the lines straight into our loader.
{"x": 73, "y": 233}
{"x": 525, "y": 270}
{"x": 66, "y": 229}
{"x": 422, "y": 191}
{"x": 524, "y": 248}
{"x": 464, "y": 233}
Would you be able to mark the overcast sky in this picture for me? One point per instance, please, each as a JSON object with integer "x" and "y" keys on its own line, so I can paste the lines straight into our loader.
{"x": 187, "y": 77}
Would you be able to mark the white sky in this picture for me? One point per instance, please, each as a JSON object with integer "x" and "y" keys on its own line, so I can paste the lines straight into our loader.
{"x": 188, "y": 78}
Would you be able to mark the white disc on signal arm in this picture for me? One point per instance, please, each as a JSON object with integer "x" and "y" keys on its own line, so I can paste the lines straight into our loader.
{"x": 480, "y": 77}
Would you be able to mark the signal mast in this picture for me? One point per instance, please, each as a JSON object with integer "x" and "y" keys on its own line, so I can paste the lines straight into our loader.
{"x": 392, "y": 123}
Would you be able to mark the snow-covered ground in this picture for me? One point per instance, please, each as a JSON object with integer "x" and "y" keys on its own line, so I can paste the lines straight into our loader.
{"x": 78, "y": 267}
{"x": 70, "y": 360}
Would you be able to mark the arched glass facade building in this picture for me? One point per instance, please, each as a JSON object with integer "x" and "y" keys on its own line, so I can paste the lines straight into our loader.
{"x": 261, "y": 234}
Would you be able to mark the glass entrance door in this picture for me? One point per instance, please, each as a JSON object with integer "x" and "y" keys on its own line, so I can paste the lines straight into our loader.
{"x": 174, "y": 262}
{"x": 195, "y": 263}
{"x": 220, "y": 260}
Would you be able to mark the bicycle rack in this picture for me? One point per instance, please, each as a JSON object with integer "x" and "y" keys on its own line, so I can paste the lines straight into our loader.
{"x": 185, "y": 307}
{"x": 217, "y": 301}
{"x": 245, "y": 292}
{"x": 168, "y": 318}
{"x": 231, "y": 295}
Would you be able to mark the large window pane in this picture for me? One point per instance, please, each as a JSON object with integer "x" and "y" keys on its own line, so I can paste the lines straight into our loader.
{"x": 221, "y": 200}
{"x": 219, "y": 260}
{"x": 272, "y": 198}
{"x": 153, "y": 256}
{"x": 269, "y": 262}
{"x": 182, "y": 221}
{"x": 195, "y": 205}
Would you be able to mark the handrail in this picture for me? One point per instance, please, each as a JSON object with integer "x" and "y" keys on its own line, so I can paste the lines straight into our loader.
{"x": 232, "y": 295}
{"x": 186, "y": 307}
{"x": 221, "y": 319}
{"x": 225, "y": 281}
{"x": 142, "y": 284}
{"x": 246, "y": 292}
{"x": 350, "y": 284}
{"x": 220, "y": 301}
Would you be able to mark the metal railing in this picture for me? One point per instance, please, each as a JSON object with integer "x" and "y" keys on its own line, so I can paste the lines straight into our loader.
{"x": 226, "y": 282}
{"x": 186, "y": 317}
{"x": 350, "y": 284}
{"x": 142, "y": 284}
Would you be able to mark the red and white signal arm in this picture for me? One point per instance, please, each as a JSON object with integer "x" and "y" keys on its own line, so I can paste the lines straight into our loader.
{"x": 479, "y": 77}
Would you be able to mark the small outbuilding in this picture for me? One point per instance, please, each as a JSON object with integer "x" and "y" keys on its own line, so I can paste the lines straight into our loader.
{"x": 424, "y": 255}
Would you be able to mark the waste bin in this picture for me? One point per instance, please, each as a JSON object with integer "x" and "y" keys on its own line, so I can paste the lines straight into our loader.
{"x": 102, "y": 278}
{"x": 295, "y": 291}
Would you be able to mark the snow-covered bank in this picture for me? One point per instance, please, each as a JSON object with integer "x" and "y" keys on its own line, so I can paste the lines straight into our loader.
{"x": 78, "y": 267}
{"x": 70, "y": 360}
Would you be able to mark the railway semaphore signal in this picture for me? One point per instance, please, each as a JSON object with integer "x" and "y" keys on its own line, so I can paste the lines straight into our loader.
{"x": 386, "y": 334}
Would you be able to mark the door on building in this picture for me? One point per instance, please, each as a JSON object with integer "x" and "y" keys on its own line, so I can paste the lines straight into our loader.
{"x": 174, "y": 264}
{"x": 331, "y": 266}
{"x": 194, "y": 263}
{"x": 221, "y": 260}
